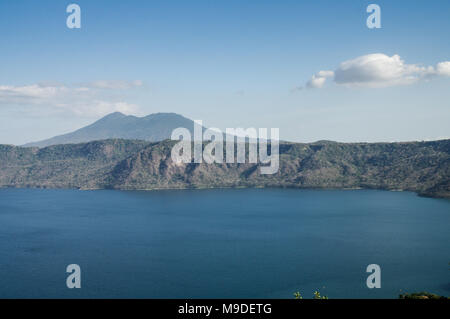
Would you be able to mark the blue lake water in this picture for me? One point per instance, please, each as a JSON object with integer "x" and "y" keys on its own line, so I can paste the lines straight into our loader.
{"x": 234, "y": 243}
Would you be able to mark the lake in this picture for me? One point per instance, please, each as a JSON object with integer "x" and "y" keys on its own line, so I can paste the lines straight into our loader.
{"x": 223, "y": 243}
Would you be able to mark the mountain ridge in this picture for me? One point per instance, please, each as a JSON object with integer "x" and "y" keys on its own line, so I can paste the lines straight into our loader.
{"x": 153, "y": 127}
{"x": 421, "y": 167}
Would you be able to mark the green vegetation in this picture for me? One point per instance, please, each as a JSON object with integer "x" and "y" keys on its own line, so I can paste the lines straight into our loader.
{"x": 415, "y": 295}
{"x": 316, "y": 295}
{"x": 297, "y": 295}
{"x": 422, "y": 167}
{"x": 420, "y": 295}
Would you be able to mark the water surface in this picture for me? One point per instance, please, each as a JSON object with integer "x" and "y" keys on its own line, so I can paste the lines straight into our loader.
{"x": 236, "y": 243}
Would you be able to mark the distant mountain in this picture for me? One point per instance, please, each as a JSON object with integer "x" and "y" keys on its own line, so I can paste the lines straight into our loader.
{"x": 153, "y": 128}
{"x": 422, "y": 167}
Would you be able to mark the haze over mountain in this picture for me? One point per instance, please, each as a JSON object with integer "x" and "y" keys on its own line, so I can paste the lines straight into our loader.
{"x": 153, "y": 128}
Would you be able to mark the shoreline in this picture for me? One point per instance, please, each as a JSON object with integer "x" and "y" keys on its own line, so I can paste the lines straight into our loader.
{"x": 418, "y": 193}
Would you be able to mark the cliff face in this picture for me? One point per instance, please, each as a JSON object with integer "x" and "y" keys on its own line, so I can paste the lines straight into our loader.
{"x": 63, "y": 166}
{"x": 423, "y": 167}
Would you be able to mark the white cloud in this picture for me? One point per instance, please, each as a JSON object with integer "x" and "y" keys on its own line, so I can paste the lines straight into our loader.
{"x": 443, "y": 68}
{"x": 378, "y": 70}
{"x": 325, "y": 74}
{"x": 85, "y": 100}
{"x": 116, "y": 85}
{"x": 99, "y": 108}
{"x": 318, "y": 80}
{"x": 34, "y": 91}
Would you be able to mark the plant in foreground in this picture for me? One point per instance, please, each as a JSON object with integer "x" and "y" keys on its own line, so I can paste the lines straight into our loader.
{"x": 316, "y": 295}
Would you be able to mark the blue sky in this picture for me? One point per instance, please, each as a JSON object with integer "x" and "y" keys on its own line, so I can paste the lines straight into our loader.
{"x": 230, "y": 64}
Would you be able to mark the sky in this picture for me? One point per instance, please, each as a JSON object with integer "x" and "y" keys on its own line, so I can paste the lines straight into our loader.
{"x": 313, "y": 69}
